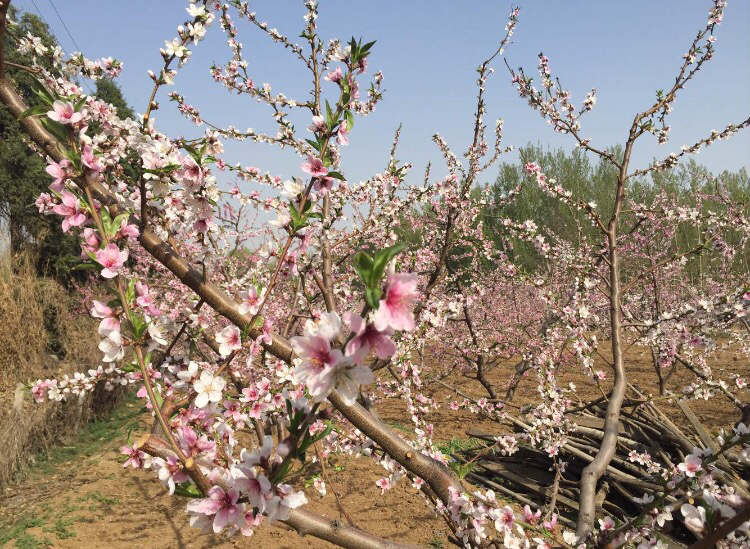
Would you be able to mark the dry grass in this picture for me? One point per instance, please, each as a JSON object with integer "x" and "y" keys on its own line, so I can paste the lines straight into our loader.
{"x": 41, "y": 336}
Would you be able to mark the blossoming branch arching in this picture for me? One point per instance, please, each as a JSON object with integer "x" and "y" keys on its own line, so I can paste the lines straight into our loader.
{"x": 276, "y": 347}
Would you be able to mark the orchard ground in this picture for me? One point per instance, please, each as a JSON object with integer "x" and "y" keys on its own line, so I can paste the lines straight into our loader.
{"x": 79, "y": 496}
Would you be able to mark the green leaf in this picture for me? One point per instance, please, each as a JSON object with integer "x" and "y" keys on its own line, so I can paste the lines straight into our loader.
{"x": 294, "y": 214}
{"x": 314, "y": 144}
{"x": 336, "y": 175}
{"x": 33, "y": 111}
{"x": 130, "y": 292}
{"x": 193, "y": 152}
{"x": 324, "y": 433}
{"x": 372, "y": 297}
{"x": 60, "y": 131}
{"x": 85, "y": 267}
{"x": 383, "y": 257}
{"x": 117, "y": 222}
{"x": 461, "y": 470}
{"x": 138, "y": 325}
{"x": 366, "y": 47}
{"x": 330, "y": 119}
{"x": 106, "y": 222}
{"x": 299, "y": 219}
{"x": 188, "y": 490}
{"x": 363, "y": 265}
{"x": 371, "y": 271}
{"x": 306, "y": 206}
{"x": 349, "y": 120}
{"x": 129, "y": 368}
{"x": 158, "y": 399}
{"x": 292, "y": 416}
{"x": 245, "y": 331}
{"x": 42, "y": 92}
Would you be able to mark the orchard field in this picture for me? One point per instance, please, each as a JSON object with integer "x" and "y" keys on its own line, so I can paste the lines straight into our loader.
{"x": 524, "y": 347}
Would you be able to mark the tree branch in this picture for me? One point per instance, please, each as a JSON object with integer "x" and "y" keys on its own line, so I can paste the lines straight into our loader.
{"x": 303, "y": 522}
{"x": 436, "y": 475}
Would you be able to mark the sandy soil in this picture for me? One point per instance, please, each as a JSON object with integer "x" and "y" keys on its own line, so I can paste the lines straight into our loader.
{"x": 88, "y": 501}
{"x": 92, "y": 503}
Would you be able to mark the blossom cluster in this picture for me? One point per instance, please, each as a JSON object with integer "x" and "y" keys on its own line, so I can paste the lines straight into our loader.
{"x": 308, "y": 297}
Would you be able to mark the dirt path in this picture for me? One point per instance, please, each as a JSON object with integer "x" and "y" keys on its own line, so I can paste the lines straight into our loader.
{"x": 80, "y": 497}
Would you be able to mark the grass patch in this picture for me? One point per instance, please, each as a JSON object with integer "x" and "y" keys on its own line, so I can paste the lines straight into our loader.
{"x": 457, "y": 444}
{"x": 17, "y": 530}
{"x": 27, "y": 541}
{"x": 94, "y": 436}
{"x": 400, "y": 426}
{"x": 99, "y": 498}
{"x": 58, "y": 522}
{"x": 69, "y": 508}
{"x": 61, "y": 529}
{"x": 98, "y": 502}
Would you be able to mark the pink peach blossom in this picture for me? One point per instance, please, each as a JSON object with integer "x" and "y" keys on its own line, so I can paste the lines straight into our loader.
{"x": 367, "y": 337}
{"x": 318, "y": 124}
{"x": 71, "y": 209}
{"x": 59, "y": 172}
{"x": 396, "y": 309}
{"x": 334, "y": 75}
{"x": 44, "y": 204}
{"x": 229, "y": 339}
{"x": 316, "y": 359}
{"x": 64, "y": 113}
{"x": 222, "y": 505}
{"x": 314, "y": 166}
{"x": 112, "y": 259}
{"x": 108, "y": 315}
{"x": 90, "y": 160}
{"x": 342, "y": 136}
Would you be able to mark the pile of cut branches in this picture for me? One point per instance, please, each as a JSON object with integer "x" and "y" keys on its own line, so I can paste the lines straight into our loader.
{"x": 646, "y": 436}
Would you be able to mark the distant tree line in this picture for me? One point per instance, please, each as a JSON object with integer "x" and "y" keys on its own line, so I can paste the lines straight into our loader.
{"x": 22, "y": 175}
{"x": 592, "y": 182}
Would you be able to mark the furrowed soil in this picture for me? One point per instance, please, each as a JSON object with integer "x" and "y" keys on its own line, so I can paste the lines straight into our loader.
{"x": 79, "y": 496}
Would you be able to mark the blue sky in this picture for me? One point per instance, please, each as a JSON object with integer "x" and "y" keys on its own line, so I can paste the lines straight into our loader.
{"x": 428, "y": 52}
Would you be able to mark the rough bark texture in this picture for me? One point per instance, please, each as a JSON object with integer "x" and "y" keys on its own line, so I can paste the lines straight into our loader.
{"x": 435, "y": 474}
{"x": 303, "y": 522}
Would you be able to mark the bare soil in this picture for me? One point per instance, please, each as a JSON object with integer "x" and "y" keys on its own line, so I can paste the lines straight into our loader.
{"x": 86, "y": 500}
{"x": 81, "y": 498}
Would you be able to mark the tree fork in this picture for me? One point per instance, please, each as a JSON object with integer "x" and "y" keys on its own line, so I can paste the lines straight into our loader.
{"x": 437, "y": 476}
{"x": 594, "y": 470}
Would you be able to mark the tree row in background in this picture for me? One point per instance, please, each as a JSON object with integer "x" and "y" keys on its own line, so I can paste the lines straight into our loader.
{"x": 591, "y": 182}
{"x": 22, "y": 171}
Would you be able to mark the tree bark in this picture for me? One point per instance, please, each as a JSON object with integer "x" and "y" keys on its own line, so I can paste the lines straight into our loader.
{"x": 437, "y": 476}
